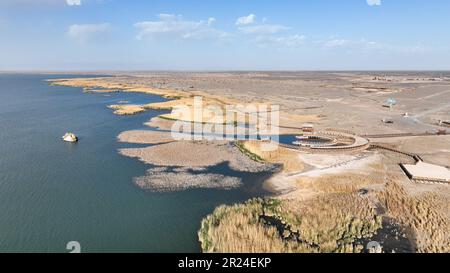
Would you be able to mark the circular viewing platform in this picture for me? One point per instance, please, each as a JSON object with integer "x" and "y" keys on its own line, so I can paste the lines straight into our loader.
{"x": 314, "y": 141}
{"x": 329, "y": 141}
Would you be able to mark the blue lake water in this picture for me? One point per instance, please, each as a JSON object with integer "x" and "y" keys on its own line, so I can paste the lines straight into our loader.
{"x": 52, "y": 192}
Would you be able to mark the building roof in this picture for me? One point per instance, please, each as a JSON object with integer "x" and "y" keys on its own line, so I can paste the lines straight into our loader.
{"x": 426, "y": 171}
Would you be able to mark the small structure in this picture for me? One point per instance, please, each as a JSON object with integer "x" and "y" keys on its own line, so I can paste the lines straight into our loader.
{"x": 389, "y": 103}
{"x": 406, "y": 115}
{"x": 314, "y": 141}
{"x": 70, "y": 137}
{"x": 330, "y": 141}
{"x": 445, "y": 123}
{"x": 308, "y": 128}
{"x": 264, "y": 138}
{"x": 425, "y": 172}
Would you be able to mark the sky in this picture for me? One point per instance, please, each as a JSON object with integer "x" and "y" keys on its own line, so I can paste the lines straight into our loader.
{"x": 89, "y": 35}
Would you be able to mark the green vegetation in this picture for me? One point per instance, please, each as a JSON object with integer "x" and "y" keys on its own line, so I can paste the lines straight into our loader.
{"x": 167, "y": 118}
{"x": 247, "y": 152}
{"x": 173, "y": 97}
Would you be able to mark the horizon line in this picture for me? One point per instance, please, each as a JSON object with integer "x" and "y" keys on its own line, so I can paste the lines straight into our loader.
{"x": 90, "y": 71}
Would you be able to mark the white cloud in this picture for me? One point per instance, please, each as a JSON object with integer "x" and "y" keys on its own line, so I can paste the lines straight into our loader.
{"x": 175, "y": 26}
{"x": 168, "y": 17}
{"x": 337, "y": 43}
{"x": 334, "y": 42}
{"x": 374, "y": 2}
{"x": 211, "y": 20}
{"x": 85, "y": 32}
{"x": 372, "y": 46}
{"x": 246, "y": 20}
{"x": 73, "y": 2}
{"x": 264, "y": 34}
{"x": 287, "y": 41}
{"x": 263, "y": 29}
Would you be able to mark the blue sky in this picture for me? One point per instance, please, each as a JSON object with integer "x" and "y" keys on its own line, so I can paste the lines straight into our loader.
{"x": 224, "y": 35}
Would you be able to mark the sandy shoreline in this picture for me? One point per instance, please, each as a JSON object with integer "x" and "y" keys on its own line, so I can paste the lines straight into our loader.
{"x": 183, "y": 97}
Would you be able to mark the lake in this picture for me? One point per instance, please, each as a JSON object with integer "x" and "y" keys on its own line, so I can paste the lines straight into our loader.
{"x": 53, "y": 192}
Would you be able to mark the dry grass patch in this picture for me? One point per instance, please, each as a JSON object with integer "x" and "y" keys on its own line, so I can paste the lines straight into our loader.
{"x": 331, "y": 224}
{"x": 279, "y": 155}
{"x": 342, "y": 183}
{"x": 237, "y": 229}
{"x": 333, "y": 221}
{"x": 196, "y": 154}
{"x": 426, "y": 214}
{"x": 145, "y": 137}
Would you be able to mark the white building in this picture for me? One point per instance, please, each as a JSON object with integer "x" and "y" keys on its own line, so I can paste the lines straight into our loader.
{"x": 425, "y": 172}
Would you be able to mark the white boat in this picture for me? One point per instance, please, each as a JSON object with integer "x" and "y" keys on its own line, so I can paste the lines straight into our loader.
{"x": 70, "y": 137}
